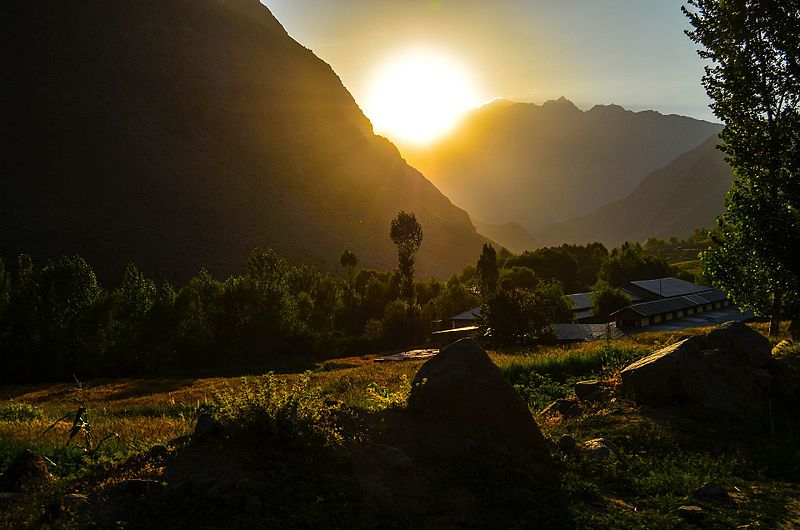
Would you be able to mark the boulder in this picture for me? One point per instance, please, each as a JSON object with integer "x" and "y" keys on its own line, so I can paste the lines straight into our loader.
{"x": 462, "y": 387}
{"x": 691, "y": 513}
{"x": 591, "y": 390}
{"x": 27, "y": 468}
{"x": 738, "y": 339}
{"x": 722, "y": 371}
{"x": 670, "y": 375}
{"x": 599, "y": 448}
{"x": 206, "y": 427}
{"x": 711, "y": 491}
{"x": 566, "y": 444}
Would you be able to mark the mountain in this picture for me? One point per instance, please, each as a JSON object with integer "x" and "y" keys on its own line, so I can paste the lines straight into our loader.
{"x": 181, "y": 134}
{"x": 510, "y": 235}
{"x": 687, "y": 194}
{"x": 540, "y": 164}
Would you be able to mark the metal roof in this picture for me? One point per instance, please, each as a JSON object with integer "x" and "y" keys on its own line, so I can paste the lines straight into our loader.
{"x": 580, "y": 301}
{"x": 670, "y": 287}
{"x": 668, "y": 305}
{"x": 586, "y": 332}
{"x": 471, "y": 314}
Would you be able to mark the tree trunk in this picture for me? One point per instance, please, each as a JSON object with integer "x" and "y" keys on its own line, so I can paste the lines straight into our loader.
{"x": 775, "y": 320}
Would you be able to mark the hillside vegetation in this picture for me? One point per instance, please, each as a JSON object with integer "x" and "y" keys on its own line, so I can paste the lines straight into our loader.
{"x": 306, "y": 448}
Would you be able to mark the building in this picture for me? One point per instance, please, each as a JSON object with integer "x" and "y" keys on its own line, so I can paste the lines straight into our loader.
{"x": 669, "y": 299}
{"x": 582, "y": 311}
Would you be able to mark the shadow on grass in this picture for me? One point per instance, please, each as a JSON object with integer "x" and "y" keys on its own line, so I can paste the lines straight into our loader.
{"x": 394, "y": 471}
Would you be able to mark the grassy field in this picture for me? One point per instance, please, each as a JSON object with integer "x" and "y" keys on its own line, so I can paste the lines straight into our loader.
{"x": 656, "y": 466}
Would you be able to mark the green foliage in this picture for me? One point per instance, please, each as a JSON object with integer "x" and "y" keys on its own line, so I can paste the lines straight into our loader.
{"x": 406, "y": 234}
{"x": 293, "y": 413}
{"x": 518, "y": 316}
{"x": 575, "y": 266}
{"x": 488, "y": 276}
{"x": 384, "y": 398}
{"x": 753, "y": 47}
{"x": 607, "y": 299}
{"x": 19, "y": 412}
{"x": 630, "y": 262}
{"x": 562, "y": 364}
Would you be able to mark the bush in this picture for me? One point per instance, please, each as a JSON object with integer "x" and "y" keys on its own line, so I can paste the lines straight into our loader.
{"x": 292, "y": 413}
{"x": 20, "y": 412}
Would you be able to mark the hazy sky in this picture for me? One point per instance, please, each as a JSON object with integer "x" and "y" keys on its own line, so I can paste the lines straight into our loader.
{"x": 629, "y": 52}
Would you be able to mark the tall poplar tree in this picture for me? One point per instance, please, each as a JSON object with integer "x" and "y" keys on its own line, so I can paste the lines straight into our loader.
{"x": 753, "y": 80}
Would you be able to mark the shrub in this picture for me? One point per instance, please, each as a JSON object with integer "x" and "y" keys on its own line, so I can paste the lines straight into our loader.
{"x": 293, "y": 413}
{"x": 20, "y": 412}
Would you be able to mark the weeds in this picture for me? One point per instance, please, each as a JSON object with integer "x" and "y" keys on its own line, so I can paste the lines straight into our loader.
{"x": 16, "y": 412}
{"x": 384, "y": 398}
{"x": 294, "y": 413}
{"x": 83, "y": 428}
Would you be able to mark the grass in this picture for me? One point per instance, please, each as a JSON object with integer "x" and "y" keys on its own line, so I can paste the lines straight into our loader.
{"x": 656, "y": 467}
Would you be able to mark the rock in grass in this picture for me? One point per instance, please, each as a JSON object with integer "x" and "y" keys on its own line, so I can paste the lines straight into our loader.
{"x": 462, "y": 388}
{"x": 566, "y": 444}
{"x": 591, "y": 390}
{"x": 568, "y": 408}
{"x": 727, "y": 370}
{"x": 666, "y": 376}
{"x": 206, "y": 426}
{"x": 711, "y": 491}
{"x": 691, "y": 514}
{"x": 738, "y": 339}
{"x": 74, "y": 501}
{"x": 27, "y": 468}
{"x": 598, "y": 448}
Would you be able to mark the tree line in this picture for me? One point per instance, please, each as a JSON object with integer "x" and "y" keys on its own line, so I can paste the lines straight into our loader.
{"x": 58, "y": 322}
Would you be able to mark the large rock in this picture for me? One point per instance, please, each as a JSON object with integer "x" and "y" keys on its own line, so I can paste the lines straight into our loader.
{"x": 725, "y": 370}
{"x": 670, "y": 375}
{"x": 738, "y": 339}
{"x": 27, "y": 468}
{"x": 463, "y": 388}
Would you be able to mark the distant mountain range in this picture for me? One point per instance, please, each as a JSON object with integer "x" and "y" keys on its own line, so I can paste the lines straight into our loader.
{"x": 180, "y": 134}
{"x": 541, "y": 164}
{"x": 673, "y": 201}
{"x": 510, "y": 235}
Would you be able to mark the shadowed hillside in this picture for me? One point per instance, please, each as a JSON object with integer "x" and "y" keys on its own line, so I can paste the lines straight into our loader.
{"x": 511, "y": 235}
{"x": 540, "y": 164}
{"x": 673, "y": 201}
{"x": 180, "y": 134}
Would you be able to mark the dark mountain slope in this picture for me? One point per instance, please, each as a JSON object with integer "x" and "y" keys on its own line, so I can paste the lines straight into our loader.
{"x": 181, "y": 134}
{"x": 539, "y": 164}
{"x": 685, "y": 195}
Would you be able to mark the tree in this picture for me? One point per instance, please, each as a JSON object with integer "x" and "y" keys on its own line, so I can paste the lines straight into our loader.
{"x": 517, "y": 316}
{"x": 754, "y": 84}
{"x": 406, "y": 233}
{"x": 349, "y": 261}
{"x": 488, "y": 275}
{"x": 630, "y": 262}
{"x": 606, "y": 299}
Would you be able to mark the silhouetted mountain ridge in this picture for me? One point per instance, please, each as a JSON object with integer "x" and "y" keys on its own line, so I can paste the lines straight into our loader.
{"x": 182, "y": 134}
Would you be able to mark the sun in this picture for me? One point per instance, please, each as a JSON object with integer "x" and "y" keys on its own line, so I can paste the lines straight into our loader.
{"x": 419, "y": 96}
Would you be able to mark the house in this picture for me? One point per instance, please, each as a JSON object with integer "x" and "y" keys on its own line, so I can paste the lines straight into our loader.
{"x": 582, "y": 311}
{"x": 672, "y": 299}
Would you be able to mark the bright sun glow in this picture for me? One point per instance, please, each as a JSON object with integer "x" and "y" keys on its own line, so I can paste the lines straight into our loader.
{"x": 419, "y": 96}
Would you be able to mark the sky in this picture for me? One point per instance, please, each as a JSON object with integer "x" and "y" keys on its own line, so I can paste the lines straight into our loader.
{"x": 628, "y": 52}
